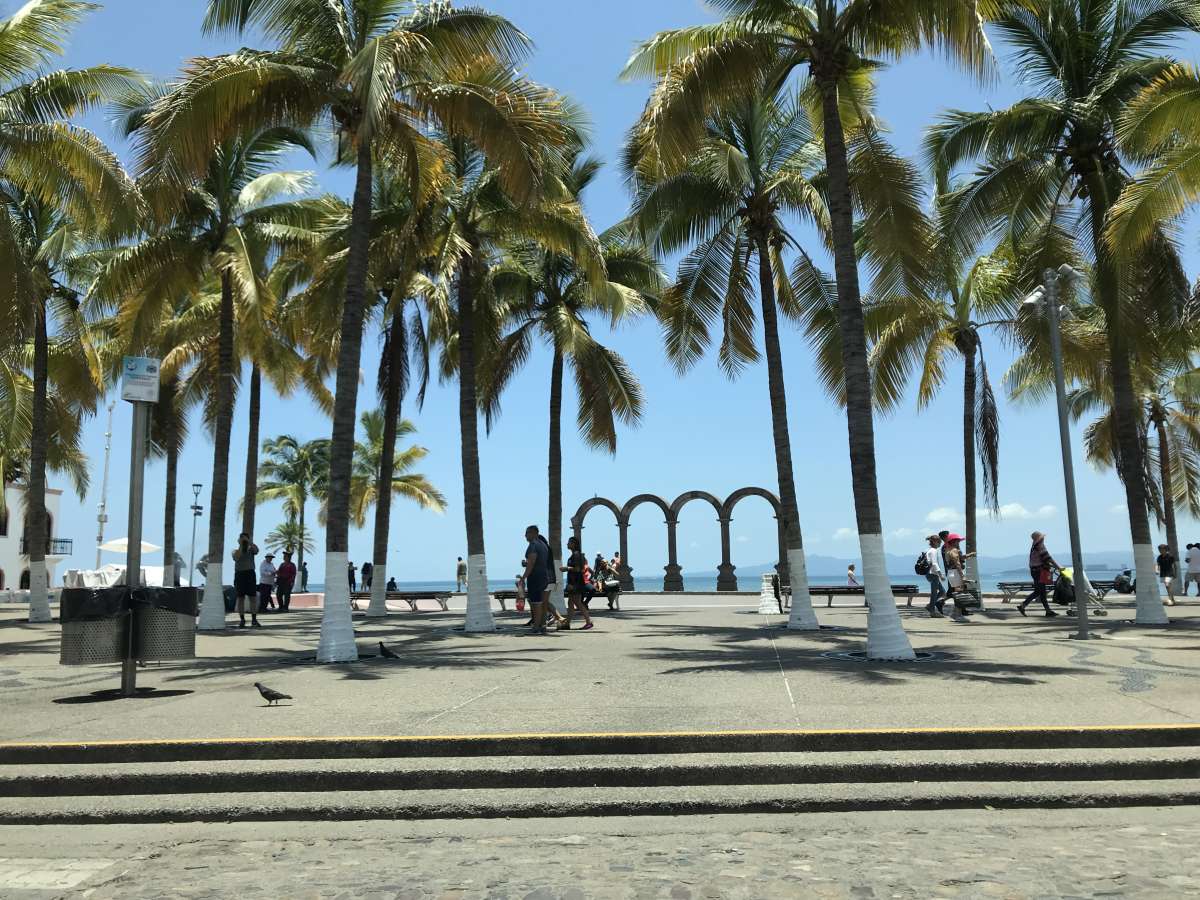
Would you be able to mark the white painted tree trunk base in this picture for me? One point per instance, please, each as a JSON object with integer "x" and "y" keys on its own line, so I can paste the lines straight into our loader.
{"x": 802, "y": 617}
{"x": 767, "y": 604}
{"x": 337, "y": 622}
{"x": 557, "y": 598}
{"x": 885, "y": 633}
{"x": 39, "y": 592}
{"x": 479, "y": 601}
{"x": 377, "y": 608}
{"x": 212, "y": 603}
{"x": 1150, "y": 609}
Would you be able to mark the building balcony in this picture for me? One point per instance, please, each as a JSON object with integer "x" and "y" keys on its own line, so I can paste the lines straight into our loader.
{"x": 54, "y": 547}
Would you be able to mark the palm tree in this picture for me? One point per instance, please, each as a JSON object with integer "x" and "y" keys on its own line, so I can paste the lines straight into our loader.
{"x": 760, "y": 44}
{"x": 378, "y": 73}
{"x": 214, "y": 227}
{"x": 551, "y": 296}
{"x": 484, "y": 219}
{"x": 61, "y": 188}
{"x": 290, "y": 535}
{"x": 368, "y": 461}
{"x": 292, "y": 472}
{"x": 754, "y": 160}
{"x": 1054, "y": 155}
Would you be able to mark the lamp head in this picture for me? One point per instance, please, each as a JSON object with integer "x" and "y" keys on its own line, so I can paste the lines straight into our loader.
{"x": 1034, "y": 300}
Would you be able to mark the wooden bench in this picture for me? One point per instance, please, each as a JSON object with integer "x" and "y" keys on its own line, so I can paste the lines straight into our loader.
{"x": 1013, "y": 589}
{"x": 409, "y": 597}
{"x": 829, "y": 591}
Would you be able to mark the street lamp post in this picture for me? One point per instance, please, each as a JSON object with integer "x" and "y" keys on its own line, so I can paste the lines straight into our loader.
{"x": 1047, "y": 295}
{"x": 197, "y": 509}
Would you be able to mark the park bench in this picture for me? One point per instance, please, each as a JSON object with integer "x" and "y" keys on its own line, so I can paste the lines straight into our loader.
{"x": 1013, "y": 589}
{"x": 409, "y": 597}
{"x": 829, "y": 591}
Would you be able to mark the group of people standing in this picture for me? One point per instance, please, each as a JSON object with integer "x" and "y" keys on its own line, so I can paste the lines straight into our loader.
{"x": 943, "y": 563}
{"x": 271, "y": 589}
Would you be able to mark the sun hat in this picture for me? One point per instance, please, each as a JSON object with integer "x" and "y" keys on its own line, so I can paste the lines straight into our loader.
{"x": 952, "y": 537}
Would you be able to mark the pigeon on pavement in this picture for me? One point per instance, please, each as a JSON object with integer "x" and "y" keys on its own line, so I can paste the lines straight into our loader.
{"x": 386, "y": 653}
{"x": 271, "y": 696}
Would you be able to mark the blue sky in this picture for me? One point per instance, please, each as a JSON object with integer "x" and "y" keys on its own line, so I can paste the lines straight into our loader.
{"x": 700, "y": 431}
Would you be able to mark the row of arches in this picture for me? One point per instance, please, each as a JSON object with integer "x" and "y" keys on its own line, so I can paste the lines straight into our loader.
{"x": 23, "y": 583}
{"x": 673, "y": 579}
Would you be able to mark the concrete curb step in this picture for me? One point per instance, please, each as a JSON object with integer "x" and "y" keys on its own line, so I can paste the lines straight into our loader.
{"x": 466, "y": 774}
{"x": 549, "y": 803}
{"x": 823, "y": 741}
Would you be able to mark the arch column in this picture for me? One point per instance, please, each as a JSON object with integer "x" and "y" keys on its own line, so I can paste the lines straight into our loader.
{"x": 726, "y": 580}
{"x": 625, "y": 571}
{"x": 673, "y": 580}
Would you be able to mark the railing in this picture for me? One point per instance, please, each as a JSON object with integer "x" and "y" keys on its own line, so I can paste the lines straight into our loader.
{"x": 54, "y": 547}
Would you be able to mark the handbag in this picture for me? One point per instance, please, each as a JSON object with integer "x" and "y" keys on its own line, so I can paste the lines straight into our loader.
{"x": 1044, "y": 576}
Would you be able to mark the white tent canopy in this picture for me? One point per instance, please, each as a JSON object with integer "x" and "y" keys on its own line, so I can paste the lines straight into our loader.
{"x": 121, "y": 545}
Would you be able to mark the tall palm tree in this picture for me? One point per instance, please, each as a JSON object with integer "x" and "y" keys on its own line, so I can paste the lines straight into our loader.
{"x": 368, "y": 461}
{"x": 214, "y": 227}
{"x": 379, "y": 73}
{"x": 723, "y": 206}
{"x": 62, "y": 188}
{"x": 1053, "y": 156}
{"x": 289, "y": 535}
{"x": 292, "y": 472}
{"x": 838, "y": 43}
{"x": 549, "y": 295}
{"x": 484, "y": 218}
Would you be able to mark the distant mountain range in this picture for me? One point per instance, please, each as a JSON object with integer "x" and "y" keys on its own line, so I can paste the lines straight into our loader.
{"x": 1018, "y": 564}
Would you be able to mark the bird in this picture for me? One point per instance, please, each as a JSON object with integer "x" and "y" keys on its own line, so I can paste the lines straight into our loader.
{"x": 386, "y": 653}
{"x": 271, "y": 696}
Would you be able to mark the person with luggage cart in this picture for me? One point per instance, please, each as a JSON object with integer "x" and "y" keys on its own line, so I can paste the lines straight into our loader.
{"x": 1041, "y": 570}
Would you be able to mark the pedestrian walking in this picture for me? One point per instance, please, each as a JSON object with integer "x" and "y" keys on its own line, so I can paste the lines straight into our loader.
{"x": 536, "y": 566}
{"x": 367, "y": 573}
{"x": 266, "y": 582}
{"x": 1041, "y": 568}
{"x": 551, "y": 611}
{"x": 851, "y": 578}
{"x": 1166, "y": 571}
{"x": 460, "y": 575}
{"x": 245, "y": 579}
{"x": 1192, "y": 558}
{"x": 285, "y": 579}
{"x": 351, "y": 572}
{"x": 956, "y": 576}
{"x": 304, "y": 577}
{"x": 576, "y": 569}
{"x": 930, "y": 562}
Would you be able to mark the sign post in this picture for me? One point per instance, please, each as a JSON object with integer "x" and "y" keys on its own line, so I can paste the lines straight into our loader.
{"x": 139, "y": 386}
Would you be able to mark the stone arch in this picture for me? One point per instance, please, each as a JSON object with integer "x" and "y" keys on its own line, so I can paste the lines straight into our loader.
{"x": 688, "y": 496}
{"x": 622, "y": 526}
{"x": 727, "y": 516}
{"x": 674, "y": 578}
{"x": 625, "y": 572}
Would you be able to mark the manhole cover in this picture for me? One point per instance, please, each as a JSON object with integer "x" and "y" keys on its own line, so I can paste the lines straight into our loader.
{"x": 861, "y": 656}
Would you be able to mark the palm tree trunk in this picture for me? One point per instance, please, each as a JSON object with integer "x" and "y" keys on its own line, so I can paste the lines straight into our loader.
{"x": 171, "y": 440}
{"x": 885, "y": 634}
{"x": 394, "y": 352}
{"x": 212, "y": 607}
{"x": 35, "y": 494}
{"x": 479, "y": 605}
{"x": 337, "y": 625}
{"x": 554, "y": 470}
{"x": 969, "y": 484}
{"x": 793, "y": 567}
{"x": 1168, "y": 491}
{"x": 255, "y": 414}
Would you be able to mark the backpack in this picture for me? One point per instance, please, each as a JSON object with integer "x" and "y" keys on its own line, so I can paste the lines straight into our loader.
{"x": 923, "y": 566}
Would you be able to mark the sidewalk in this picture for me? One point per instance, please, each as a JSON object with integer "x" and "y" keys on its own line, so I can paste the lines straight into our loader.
{"x": 694, "y": 663}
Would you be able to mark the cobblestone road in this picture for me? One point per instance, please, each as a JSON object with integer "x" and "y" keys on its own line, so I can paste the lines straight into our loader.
{"x": 1115, "y": 853}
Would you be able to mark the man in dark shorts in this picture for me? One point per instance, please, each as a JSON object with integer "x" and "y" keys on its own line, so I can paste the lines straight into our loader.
{"x": 537, "y": 561}
{"x": 245, "y": 579}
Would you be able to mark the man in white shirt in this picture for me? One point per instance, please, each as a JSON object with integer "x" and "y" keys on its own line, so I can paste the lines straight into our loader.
{"x": 266, "y": 581}
{"x": 1192, "y": 558}
{"x": 936, "y": 574}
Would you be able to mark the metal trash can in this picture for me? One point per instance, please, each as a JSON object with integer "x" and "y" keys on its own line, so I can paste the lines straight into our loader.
{"x": 165, "y": 619}
{"x": 93, "y": 625}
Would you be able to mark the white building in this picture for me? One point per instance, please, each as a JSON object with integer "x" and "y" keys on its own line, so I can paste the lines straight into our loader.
{"x": 14, "y": 558}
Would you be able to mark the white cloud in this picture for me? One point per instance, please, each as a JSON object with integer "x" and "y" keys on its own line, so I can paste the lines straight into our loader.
{"x": 944, "y": 515}
{"x": 902, "y": 533}
{"x": 1019, "y": 511}
{"x": 844, "y": 534}
{"x": 742, "y": 539}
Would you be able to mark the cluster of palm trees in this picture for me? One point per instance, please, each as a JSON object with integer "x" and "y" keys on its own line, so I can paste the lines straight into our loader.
{"x": 465, "y": 238}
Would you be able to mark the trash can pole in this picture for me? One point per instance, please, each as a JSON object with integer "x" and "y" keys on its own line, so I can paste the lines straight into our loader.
{"x": 133, "y": 558}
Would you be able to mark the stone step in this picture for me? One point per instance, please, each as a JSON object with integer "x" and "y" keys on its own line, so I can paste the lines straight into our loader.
{"x": 484, "y": 773}
{"x": 598, "y": 801}
{"x": 607, "y": 744}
